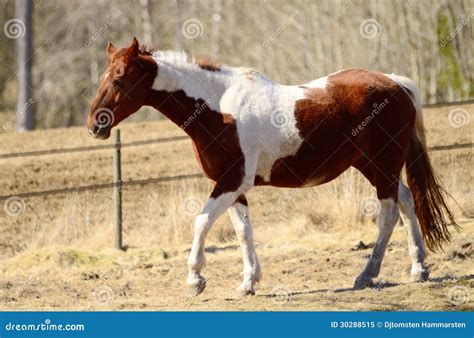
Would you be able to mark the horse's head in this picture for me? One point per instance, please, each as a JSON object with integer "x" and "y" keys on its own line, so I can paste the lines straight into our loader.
{"x": 123, "y": 88}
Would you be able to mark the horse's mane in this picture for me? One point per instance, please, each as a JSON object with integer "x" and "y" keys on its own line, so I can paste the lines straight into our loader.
{"x": 207, "y": 63}
{"x": 145, "y": 50}
{"x": 178, "y": 57}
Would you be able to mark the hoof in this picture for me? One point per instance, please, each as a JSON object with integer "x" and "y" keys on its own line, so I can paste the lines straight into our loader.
{"x": 242, "y": 292}
{"x": 362, "y": 283}
{"x": 195, "y": 289}
{"x": 420, "y": 276}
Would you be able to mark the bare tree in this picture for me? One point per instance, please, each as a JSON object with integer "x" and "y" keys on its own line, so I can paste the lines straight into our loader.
{"x": 290, "y": 41}
{"x": 147, "y": 39}
{"x": 25, "y": 118}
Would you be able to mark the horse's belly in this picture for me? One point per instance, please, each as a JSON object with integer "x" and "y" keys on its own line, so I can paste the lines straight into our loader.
{"x": 308, "y": 167}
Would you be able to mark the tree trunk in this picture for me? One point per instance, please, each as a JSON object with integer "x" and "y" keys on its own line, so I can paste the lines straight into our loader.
{"x": 24, "y": 109}
{"x": 146, "y": 22}
{"x": 178, "y": 35}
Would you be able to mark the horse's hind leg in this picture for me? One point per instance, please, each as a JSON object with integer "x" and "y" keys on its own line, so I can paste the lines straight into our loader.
{"x": 387, "y": 191}
{"x": 419, "y": 272}
{"x": 239, "y": 215}
{"x": 386, "y": 221}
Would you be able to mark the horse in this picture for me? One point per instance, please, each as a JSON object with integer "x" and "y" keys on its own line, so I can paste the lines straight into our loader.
{"x": 248, "y": 131}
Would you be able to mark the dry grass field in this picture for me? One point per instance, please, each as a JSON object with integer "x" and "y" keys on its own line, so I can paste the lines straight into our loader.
{"x": 56, "y": 254}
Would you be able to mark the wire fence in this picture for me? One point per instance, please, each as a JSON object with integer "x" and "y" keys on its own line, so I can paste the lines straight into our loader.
{"x": 167, "y": 139}
{"x": 154, "y": 180}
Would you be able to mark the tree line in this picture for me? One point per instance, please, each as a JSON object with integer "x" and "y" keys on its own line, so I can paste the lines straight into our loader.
{"x": 62, "y": 47}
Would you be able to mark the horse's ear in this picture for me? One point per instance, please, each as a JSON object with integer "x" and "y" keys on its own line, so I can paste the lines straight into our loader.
{"x": 110, "y": 48}
{"x": 134, "y": 47}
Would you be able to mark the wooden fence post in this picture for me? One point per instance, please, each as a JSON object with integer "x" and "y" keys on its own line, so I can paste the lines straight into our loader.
{"x": 118, "y": 190}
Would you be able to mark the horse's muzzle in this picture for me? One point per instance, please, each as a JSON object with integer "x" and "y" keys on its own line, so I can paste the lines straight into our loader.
{"x": 100, "y": 133}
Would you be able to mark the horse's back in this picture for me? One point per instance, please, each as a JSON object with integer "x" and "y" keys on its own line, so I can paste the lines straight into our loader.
{"x": 334, "y": 120}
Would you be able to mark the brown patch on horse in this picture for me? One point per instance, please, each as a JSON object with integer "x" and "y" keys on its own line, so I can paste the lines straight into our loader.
{"x": 326, "y": 119}
{"x": 130, "y": 90}
{"x": 214, "y": 134}
{"x": 208, "y": 64}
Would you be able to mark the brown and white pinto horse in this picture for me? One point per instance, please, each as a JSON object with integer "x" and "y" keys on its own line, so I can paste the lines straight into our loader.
{"x": 248, "y": 131}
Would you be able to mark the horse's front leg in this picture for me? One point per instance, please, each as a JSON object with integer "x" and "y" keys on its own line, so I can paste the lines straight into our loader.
{"x": 239, "y": 215}
{"x": 213, "y": 208}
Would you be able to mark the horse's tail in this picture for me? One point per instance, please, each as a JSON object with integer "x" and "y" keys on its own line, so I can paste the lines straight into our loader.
{"x": 431, "y": 208}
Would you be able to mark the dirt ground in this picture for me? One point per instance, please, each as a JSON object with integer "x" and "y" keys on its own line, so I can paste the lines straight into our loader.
{"x": 55, "y": 254}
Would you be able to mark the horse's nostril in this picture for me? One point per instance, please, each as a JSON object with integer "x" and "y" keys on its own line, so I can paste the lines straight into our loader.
{"x": 100, "y": 132}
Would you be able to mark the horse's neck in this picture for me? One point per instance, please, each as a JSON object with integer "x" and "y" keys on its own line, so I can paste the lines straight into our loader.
{"x": 182, "y": 88}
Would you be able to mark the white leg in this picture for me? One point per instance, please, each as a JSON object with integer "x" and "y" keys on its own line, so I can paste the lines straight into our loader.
{"x": 386, "y": 221}
{"x": 203, "y": 222}
{"x": 239, "y": 215}
{"x": 419, "y": 271}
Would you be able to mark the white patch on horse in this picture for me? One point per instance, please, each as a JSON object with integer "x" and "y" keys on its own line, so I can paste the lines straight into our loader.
{"x": 266, "y": 124}
{"x": 321, "y": 83}
{"x": 252, "y": 99}
{"x": 179, "y": 71}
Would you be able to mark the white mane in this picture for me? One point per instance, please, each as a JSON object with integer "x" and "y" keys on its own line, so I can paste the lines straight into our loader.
{"x": 173, "y": 57}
